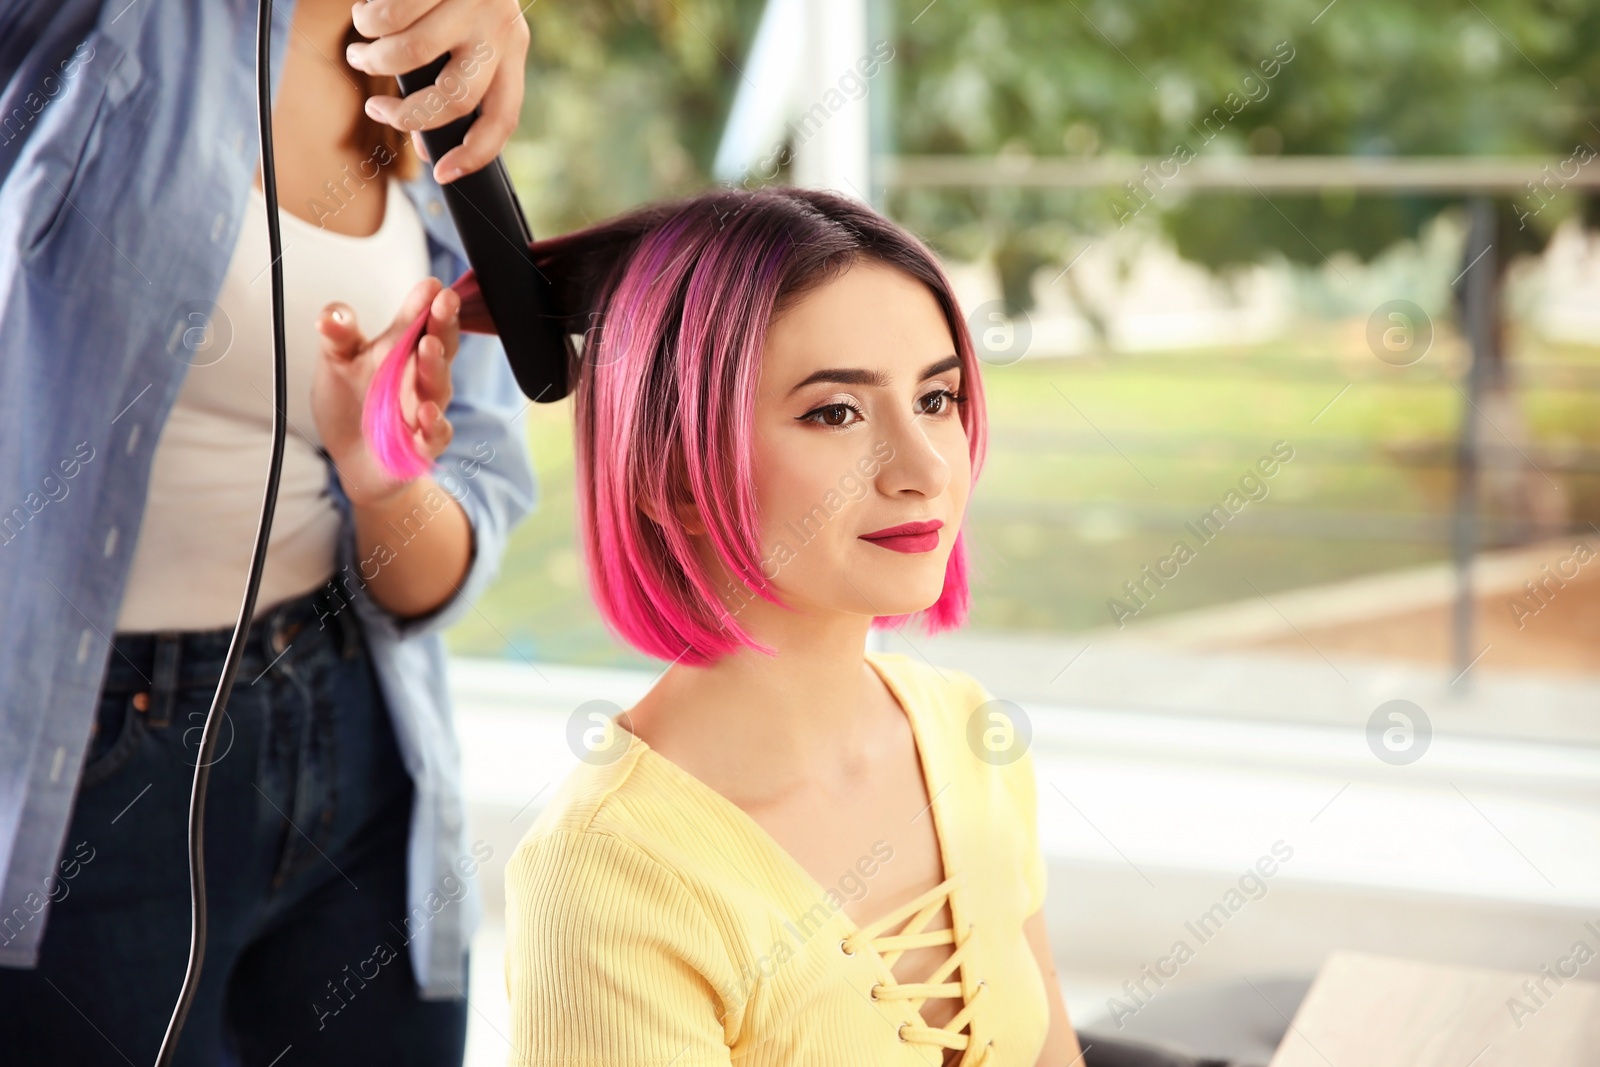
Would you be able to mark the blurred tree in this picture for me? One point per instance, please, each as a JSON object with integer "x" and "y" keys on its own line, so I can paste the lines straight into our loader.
{"x": 1169, "y": 79}
{"x": 1177, "y": 81}
{"x": 626, "y": 100}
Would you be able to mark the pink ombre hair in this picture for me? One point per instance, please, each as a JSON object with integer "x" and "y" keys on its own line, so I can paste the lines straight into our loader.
{"x": 673, "y": 301}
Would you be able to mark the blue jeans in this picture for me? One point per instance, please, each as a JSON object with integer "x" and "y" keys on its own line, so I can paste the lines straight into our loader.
{"x": 307, "y": 820}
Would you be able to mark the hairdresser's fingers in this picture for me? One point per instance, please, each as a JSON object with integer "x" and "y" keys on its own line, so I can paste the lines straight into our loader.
{"x": 415, "y": 302}
{"x": 432, "y": 107}
{"x": 487, "y": 136}
{"x": 444, "y": 320}
{"x": 402, "y": 34}
{"x": 488, "y": 45}
{"x": 469, "y": 30}
{"x": 418, "y": 144}
{"x": 374, "y": 18}
{"x": 435, "y": 428}
{"x": 407, "y": 34}
{"x": 417, "y": 299}
{"x": 423, "y": 297}
{"x": 341, "y": 336}
{"x": 433, "y": 372}
{"x": 454, "y": 92}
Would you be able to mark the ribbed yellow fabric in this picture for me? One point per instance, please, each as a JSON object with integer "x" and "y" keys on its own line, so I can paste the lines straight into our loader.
{"x": 651, "y": 923}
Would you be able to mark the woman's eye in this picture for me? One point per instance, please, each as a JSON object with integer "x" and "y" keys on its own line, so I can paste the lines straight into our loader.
{"x": 833, "y": 415}
{"x": 939, "y": 402}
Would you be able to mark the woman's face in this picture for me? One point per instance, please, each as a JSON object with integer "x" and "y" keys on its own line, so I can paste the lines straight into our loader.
{"x": 856, "y": 432}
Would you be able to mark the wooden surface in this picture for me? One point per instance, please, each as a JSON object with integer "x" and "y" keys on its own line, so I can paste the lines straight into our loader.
{"x": 1373, "y": 1011}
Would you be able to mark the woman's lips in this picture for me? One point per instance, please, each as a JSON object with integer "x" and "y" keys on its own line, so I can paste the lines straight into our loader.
{"x": 907, "y": 537}
{"x": 908, "y": 542}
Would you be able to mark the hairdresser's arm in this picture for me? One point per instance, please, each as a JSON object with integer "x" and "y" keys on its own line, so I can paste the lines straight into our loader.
{"x": 488, "y": 45}
{"x": 414, "y": 541}
{"x": 419, "y": 543}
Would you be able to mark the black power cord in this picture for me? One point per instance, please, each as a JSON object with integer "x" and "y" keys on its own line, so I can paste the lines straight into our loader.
{"x": 269, "y": 503}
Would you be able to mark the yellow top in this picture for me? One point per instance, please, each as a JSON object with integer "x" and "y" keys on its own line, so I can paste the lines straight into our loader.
{"x": 651, "y": 922}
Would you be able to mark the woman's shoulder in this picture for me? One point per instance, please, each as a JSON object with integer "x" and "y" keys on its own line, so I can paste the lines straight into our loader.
{"x": 614, "y": 929}
{"x": 623, "y": 809}
{"x": 607, "y": 794}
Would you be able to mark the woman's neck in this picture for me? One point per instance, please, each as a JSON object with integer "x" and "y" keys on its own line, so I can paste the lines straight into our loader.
{"x": 757, "y": 727}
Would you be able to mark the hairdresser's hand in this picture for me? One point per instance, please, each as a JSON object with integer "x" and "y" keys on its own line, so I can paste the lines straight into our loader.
{"x": 348, "y": 362}
{"x": 488, "y": 44}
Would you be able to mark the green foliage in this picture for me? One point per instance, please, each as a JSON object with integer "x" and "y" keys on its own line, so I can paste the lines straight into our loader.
{"x": 1140, "y": 77}
{"x": 626, "y": 102}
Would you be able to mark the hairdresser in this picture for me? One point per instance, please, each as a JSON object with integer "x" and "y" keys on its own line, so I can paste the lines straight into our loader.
{"x": 135, "y": 439}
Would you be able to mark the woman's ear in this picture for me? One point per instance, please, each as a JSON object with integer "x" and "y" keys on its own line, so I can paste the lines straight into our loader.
{"x": 687, "y": 514}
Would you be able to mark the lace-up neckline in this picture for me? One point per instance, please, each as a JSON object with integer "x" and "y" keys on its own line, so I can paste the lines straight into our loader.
{"x": 948, "y": 979}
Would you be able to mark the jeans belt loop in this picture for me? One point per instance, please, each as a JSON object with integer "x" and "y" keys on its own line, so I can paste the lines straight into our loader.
{"x": 164, "y": 686}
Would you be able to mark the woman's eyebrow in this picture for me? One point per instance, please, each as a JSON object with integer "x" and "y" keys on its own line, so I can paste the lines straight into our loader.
{"x": 877, "y": 379}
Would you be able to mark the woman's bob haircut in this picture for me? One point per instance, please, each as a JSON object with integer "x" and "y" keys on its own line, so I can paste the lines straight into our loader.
{"x": 673, "y": 301}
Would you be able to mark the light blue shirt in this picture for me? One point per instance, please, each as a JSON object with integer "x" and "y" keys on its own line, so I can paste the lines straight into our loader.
{"x": 128, "y": 143}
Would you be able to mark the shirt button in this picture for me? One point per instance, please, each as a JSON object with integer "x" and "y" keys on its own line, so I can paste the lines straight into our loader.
{"x": 238, "y": 143}
{"x": 433, "y": 207}
{"x": 111, "y": 542}
{"x": 217, "y": 225}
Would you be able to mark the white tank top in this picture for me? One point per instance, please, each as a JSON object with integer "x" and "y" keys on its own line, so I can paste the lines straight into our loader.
{"x": 210, "y": 465}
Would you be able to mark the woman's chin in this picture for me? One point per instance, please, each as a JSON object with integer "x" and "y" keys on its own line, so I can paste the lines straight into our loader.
{"x": 900, "y": 598}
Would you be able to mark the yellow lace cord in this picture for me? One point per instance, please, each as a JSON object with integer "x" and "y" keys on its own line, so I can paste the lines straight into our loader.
{"x": 887, "y": 950}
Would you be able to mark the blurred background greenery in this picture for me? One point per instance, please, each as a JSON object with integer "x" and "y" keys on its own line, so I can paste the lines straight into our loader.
{"x": 626, "y": 102}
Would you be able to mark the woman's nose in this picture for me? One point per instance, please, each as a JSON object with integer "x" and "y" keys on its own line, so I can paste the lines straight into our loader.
{"x": 917, "y": 463}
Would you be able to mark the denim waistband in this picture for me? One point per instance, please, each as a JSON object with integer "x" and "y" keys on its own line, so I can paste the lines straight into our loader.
{"x": 164, "y": 661}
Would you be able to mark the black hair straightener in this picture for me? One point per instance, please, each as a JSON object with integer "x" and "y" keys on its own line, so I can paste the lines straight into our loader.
{"x": 495, "y": 234}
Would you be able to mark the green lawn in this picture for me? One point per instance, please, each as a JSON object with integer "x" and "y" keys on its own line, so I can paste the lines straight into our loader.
{"x": 1097, "y": 463}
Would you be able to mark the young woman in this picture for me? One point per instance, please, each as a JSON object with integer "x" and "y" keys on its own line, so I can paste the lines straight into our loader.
{"x": 790, "y": 851}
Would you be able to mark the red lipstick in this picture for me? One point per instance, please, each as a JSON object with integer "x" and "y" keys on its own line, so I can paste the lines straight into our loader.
{"x": 907, "y": 537}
